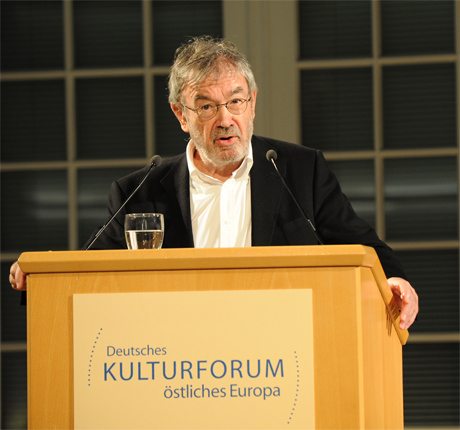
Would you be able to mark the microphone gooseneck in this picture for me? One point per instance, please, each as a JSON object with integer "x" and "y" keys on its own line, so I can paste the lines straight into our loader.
{"x": 155, "y": 161}
{"x": 272, "y": 156}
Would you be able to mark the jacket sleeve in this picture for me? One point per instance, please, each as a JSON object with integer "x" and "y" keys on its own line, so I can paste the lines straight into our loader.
{"x": 338, "y": 223}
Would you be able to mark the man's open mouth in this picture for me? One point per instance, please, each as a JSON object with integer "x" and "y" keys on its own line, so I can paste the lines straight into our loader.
{"x": 226, "y": 140}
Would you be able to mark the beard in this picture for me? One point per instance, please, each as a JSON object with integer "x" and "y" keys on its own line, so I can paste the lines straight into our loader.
{"x": 217, "y": 155}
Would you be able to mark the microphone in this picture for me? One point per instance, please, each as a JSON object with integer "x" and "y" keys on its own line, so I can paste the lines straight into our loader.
{"x": 272, "y": 156}
{"x": 155, "y": 161}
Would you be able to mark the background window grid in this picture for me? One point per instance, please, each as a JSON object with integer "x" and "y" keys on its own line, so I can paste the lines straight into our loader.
{"x": 385, "y": 110}
{"x": 84, "y": 102}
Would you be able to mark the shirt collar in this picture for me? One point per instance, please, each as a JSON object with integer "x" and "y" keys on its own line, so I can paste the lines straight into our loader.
{"x": 240, "y": 174}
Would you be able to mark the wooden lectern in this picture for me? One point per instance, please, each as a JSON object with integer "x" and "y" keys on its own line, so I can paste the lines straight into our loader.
{"x": 357, "y": 341}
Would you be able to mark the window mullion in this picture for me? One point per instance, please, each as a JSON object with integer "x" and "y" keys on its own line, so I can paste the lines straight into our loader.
{"x": 72, "y": 186}
{"x": 378, "y": 119}
{"x": 148, "y": 78}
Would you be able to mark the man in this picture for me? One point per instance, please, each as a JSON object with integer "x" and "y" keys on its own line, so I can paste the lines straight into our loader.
{"x": 223, "y": 192}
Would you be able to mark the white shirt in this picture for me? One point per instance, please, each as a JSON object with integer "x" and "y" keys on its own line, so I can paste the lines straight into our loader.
{"x": 221, "y": 211}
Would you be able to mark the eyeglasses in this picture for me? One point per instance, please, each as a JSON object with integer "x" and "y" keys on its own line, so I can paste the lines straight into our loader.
{"x": 209, "y": 110}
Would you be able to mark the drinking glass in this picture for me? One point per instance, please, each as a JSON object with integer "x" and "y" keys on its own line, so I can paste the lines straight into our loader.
{"x": 144, "y": 231}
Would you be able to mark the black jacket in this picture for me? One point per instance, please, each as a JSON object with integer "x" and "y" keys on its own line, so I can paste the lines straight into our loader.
{"x": 276, "y": 220}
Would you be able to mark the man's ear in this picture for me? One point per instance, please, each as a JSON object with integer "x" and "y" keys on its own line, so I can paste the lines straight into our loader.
{"x": 180, "y": 115}
{"x": 253, "y": 103}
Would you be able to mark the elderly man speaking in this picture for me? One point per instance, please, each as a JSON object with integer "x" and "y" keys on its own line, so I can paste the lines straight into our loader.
{"x": 224, "y": 192}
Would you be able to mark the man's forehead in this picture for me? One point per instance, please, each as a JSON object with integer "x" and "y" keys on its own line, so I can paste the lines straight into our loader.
{"x": 227, "y": 83}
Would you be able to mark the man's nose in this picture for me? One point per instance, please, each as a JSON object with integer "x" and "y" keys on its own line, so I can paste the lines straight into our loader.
{"x": 224, "y": 117}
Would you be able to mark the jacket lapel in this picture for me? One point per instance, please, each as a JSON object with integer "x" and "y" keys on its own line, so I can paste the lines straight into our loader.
{"x": 266, "y": 191}
{"x": 176, "y": 185}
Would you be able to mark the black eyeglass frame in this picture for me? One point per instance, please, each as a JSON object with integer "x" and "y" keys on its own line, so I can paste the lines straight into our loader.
{"x": 218, "y": 106}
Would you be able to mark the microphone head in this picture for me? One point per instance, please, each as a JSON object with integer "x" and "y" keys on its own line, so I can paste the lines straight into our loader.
{"x": 271, "y": 155}
{"x": 156, "y": 159}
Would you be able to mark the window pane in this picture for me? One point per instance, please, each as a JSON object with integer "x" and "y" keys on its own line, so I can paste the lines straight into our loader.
{"x": 418, "y": 27}
{"x": 34, "y": 211}
{"x": 33, "y": 121}
{"x": 93, "y": 190}
{"x": 110, "y": 118}
{"x": 419, "y": 106}
{"x": 357, "y": 181}
{"x": 169, "y": 137}
{"x": 337, "y": 109}
{"x": 435, "y": 276}
{"x": 421, "y": 199}
{"x": 431, "y": 384}
{"x": 174, "y": 22}
{"x": 108, "y": 33}
{"x": 14, "y": 390}
{"x": 14, "y": 324}
{"x": 335, "y": 29}
{"x": 32, "y": 35}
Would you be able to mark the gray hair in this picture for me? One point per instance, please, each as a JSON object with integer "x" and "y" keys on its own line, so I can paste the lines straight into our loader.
{"x": 201, "y": 57}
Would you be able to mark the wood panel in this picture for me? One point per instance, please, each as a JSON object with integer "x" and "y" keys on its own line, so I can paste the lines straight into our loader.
{"x": 357, "y": 356}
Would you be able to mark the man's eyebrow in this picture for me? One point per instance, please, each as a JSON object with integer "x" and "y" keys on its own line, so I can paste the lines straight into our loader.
{"x": 201, "y": 97}
{"x": 236, "y": 90}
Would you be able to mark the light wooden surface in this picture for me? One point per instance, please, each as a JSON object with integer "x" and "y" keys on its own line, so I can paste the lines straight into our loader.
{"x": 202, "y": 258}
{"x": 358, "y": 363}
